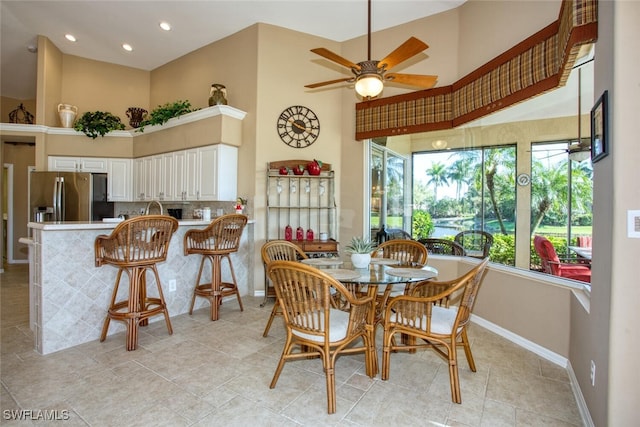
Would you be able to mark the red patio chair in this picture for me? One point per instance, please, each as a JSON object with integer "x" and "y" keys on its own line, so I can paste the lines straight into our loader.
{"x": 551, "y": 263}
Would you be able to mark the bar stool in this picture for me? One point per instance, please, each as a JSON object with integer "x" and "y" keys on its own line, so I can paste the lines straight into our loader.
{"x": 135, "y": 246}
{"x": 220, "y": 239}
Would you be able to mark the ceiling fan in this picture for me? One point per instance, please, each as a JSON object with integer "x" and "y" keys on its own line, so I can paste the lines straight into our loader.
{"x": 577, "y": 151}
{"x": 369, "y": 76}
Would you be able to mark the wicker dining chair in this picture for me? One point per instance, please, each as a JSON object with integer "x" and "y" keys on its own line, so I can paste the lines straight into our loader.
{"x": 279, "y": 250}
{"x": 431, "y": 319}
{"x": 442, "y": 246}
{"x": 135, "y": 246}
{"x": 409, "y": 253}
{"x": 476, "y": 243}
{"x": 218, "y": 241}
{"x": 314, "y": 324}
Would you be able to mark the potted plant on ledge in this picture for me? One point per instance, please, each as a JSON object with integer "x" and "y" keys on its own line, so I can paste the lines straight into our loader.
{"x": 360, "y": 250}
{"x": 94, "y": 123}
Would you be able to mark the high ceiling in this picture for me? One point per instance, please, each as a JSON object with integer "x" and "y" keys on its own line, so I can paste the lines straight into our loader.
{"x": 101, "y": 27}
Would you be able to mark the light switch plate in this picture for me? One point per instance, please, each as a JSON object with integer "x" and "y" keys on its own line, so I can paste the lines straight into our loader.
{"x": 633, "y": 224}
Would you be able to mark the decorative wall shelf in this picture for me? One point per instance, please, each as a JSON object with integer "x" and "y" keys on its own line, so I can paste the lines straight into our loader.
{"x": 195, "y": 116}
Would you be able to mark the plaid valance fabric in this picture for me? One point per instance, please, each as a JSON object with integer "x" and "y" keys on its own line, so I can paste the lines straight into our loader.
{"x": 540, "y": 63}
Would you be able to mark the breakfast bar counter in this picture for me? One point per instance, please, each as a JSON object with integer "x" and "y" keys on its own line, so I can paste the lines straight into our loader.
{"x": 69, "y": 295}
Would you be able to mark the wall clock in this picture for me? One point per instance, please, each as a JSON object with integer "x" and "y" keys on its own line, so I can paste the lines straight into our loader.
{"x": 523, "y": 179}
{"x": 298, "y": 126}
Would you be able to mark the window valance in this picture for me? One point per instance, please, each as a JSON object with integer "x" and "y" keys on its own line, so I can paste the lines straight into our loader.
{"x": 536, "y": 65}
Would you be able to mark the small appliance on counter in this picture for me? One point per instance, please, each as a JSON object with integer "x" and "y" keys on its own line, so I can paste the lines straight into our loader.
{"x": 176, "y": 213}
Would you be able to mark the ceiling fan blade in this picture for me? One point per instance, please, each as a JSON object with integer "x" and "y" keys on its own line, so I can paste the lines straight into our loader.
{"x": 406, "y": 50}
{"x": 330, "y": 82}
{"x": 417, "y": 80}
{"x": 326, "y": 53}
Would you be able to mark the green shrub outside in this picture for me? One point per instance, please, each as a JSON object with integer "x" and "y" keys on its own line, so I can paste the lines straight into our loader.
{"x": 422, "y": 226}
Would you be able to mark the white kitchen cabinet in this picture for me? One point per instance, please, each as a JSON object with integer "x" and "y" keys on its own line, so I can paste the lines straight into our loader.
{"x": 208, "y": 173}
{"x": 205, "y": 173}
{"x": 149, "y": 183}
{"x": 138, "y": 179}
{"x": 77, "y": 164}
{"x": 167, "y": 186}
{"x": 191, "y": 175}
{"x": 179, "y": 174}
{"x": 218, "y": 167}
{"x": 120, "y": 180}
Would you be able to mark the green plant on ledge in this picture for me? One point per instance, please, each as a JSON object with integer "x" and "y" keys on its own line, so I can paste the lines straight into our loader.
{"x": 94, "y": 123}
{"x": 162, "y": 113}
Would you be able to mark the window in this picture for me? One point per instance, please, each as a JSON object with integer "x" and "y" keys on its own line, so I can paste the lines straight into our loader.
{"x": 561, "y": 197}
{"x": 470, "y": 189}
{"x": 389, "y": 204}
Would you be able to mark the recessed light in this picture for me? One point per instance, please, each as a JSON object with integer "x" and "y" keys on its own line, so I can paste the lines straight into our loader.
{"x": 70, "y": 37}
{"x": 165, "y": 26}
{"x": 127, "y": 47}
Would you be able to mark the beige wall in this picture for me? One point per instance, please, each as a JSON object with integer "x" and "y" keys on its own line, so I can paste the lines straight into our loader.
{"x": 21, "y": 157}
{"x": 7, "y": 105}
{"x": 49, "y": 88}
{"x": 624, "y": 385}
{"x": 607, "y": 333}
{"x": 93, "y": 85}
{"x": 488, "y": 28}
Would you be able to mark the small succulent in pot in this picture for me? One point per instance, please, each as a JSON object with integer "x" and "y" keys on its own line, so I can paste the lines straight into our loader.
{"x": 359, "y": 245}
{"x": 360, "y": 250}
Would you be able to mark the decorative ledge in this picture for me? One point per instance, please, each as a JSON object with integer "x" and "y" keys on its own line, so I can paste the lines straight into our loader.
{"x": 204, "y": 113}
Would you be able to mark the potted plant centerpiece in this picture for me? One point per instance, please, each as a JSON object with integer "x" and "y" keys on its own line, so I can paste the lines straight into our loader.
{"x": 360, "y": 250}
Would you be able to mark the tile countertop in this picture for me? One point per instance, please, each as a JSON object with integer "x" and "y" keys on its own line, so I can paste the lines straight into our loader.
{"x": 100, "y": 225}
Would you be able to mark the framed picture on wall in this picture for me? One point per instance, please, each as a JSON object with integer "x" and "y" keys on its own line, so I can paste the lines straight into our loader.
{"x": 599, "y": 129}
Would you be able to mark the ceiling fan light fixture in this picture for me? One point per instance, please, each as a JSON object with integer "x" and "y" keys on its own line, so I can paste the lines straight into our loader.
{"x": 369, "y": 85}
{"x": 439, "y": 144}
{"x": 579, "y": 155}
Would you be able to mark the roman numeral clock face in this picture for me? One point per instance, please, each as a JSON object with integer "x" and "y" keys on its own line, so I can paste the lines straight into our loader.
{"x": 298, "y": 126}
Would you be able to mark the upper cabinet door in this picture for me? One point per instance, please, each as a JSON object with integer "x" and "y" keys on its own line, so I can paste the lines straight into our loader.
{"x": 78, "y": 164}
{"x": 119, "y": 180}
{"x": 208, "y": 176}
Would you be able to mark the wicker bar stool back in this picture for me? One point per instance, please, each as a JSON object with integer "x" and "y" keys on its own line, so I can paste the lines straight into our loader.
{"x": 219, "y": 240}
{"x": 135, "y": 246}
{"x": 279, "y": 250}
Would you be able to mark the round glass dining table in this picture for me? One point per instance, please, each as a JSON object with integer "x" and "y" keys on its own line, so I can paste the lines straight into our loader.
{"x": 379, "y": 278}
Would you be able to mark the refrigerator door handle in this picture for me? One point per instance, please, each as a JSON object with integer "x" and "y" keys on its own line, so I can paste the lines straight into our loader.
{"x": 61, "y": 201}
{"x": 55, "y": 200}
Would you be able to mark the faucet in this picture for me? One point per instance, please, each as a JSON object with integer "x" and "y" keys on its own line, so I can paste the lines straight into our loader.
{"x": 146, "y": 212}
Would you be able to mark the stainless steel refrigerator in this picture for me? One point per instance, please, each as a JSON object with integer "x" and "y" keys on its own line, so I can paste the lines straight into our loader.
{"x": 69, "y": 196}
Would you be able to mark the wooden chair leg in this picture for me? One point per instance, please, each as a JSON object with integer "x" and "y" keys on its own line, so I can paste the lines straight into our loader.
{"x": 467, "y": 350}
{"x": 275, "y": 311}
{"x": 235, "y": 282}
{"x": 453, "y": 374}
{"x": 193, "y": 298}
{"x": 107, "y": 319}
{"x": 165, "y": 311}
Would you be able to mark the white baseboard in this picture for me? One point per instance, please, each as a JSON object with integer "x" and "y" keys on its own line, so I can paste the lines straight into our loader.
{"x": 577, "y": 392}
{"x": 522, "y": 342}
{"x": 545, "y": 354}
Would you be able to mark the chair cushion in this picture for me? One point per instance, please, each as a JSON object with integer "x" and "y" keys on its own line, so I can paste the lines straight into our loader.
{"x": 442, "y": 320}
{"x": 339, "y": 322}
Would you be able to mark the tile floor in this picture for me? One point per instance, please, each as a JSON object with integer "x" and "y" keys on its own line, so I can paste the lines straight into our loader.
{"x": 218, "y": 373}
